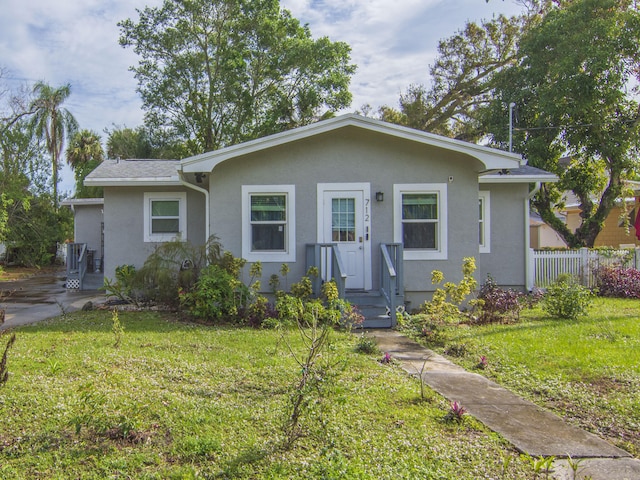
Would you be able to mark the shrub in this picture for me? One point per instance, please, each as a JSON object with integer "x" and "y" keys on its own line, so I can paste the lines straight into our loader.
{"x": 567, "y": 299}
{"x": 618, "y": 282}
{"x": 122, "y": 287}
{"x": 446, "y": 301}
{"x": 216, "y": 295}
{"x": 496, "y": 304}
{"x": 261, "y": 313}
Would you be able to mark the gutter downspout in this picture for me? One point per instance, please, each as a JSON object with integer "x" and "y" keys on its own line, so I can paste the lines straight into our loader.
{"x": 205, "y": 192}
{"x": 529, "y": 282}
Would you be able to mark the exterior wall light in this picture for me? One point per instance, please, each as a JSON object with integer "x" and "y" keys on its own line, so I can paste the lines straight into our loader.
{"x": 379, "y": 196}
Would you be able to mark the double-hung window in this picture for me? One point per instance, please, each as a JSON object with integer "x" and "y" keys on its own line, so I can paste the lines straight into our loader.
{"x": 165, "y": 215}
{"x": 484, "y": 226}
{"x": 268, "y": 229}
{"x": 420, "y": 220}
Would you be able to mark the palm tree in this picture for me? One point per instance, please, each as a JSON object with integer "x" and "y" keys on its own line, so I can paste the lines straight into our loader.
{"x": 85, "y": 153}
{"x": 53, "y": 123}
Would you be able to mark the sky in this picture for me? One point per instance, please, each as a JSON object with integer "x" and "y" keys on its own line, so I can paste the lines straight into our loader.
{"x": 393, "y": 43}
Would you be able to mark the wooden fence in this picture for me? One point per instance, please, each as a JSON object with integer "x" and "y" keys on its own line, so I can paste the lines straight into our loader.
{"x": 547, "y": 266}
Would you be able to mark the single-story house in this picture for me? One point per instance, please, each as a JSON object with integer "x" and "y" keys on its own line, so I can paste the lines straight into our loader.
{"x": 360, "y": 198}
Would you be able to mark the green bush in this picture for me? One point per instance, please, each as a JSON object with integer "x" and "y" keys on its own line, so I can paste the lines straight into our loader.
{"x": 567, "y": 299}
{"x": 216, "y": 295}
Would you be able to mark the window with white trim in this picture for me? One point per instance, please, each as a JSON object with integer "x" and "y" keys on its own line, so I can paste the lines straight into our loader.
{"x": 420, "y": 220}
{"x": 268, "y": 227}
{"x": 165, "y": 216}
{"x": 484, "y": 224}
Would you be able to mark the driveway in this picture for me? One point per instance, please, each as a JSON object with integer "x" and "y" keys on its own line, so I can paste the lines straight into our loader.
{"x": 42, "y": 296}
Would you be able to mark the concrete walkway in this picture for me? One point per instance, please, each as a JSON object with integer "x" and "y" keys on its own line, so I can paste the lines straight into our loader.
{"x": 529, "y": 428}
{"x": 43, "y": 296}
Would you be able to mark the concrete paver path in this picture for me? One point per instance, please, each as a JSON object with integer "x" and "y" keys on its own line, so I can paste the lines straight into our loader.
{"x": 528, "y": 427}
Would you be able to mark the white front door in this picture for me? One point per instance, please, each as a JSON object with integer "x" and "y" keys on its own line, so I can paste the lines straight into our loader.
{"x": 345, "y": 222}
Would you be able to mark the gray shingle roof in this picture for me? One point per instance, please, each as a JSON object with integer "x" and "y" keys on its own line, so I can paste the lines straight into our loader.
{"x": 525, "y": 173}
{"x": 135, "y": 171}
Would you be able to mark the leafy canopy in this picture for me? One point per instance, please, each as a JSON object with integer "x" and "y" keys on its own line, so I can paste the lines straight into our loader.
{"x": 218, "y": 72}
{"x": 52, "y": 123}
{"x": 573, "y": 88}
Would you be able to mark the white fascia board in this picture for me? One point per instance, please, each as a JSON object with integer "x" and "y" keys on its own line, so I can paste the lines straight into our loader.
{"x": 133, "y": 182}
{"x": 82, "y": 201}
{"x": 517, "y": 178}
{"x": 490, "y": 157}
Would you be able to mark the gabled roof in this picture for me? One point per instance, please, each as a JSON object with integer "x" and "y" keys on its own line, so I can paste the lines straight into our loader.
{"x": 490, "y": 157}
{"x": 135, "y": 172}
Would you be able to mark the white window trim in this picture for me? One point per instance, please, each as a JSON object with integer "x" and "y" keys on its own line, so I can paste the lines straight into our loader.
{"x": 408, "y": 188}
{"x": 486, "y": 219}
{"x": 289, "y": 255}
{"x": 181, "y": 197}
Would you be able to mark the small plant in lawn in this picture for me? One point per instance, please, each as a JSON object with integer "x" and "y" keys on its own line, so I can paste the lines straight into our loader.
{"x": 366, "y": 344}
{"x": 541, "y": 465}
{"x": 88, "y": 408}
{"x": 483, "y": 363}
{"x": 507, "y": 458}
{"x": 54, "y": 366}
{"x": 423, "y": 396}
{"x": 117, "y": 328}
{"x": 386, "y": 358}
{"x": 456, "y": 349}
{"x": 4, "y": 371}
{"x": 306, "y": 401}
{"x": 574, "y": 465}
{"x": 567, "y": 299}
{"x": 456, "y": 413}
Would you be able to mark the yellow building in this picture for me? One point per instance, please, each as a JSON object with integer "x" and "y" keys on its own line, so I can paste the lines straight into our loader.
{"x": 614, "y": 233}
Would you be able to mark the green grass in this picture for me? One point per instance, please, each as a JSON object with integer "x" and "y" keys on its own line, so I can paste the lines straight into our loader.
{"x": 587, "y": 370}
{"x": 179, "y": 400}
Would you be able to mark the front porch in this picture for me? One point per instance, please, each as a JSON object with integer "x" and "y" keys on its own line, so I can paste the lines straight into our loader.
{"x": 381, "y": 306}
{"x": 84, "y": 271}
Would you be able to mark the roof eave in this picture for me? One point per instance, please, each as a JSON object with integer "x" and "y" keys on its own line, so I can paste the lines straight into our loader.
{"x": 517, "y": 178}
{"x": 82, "y": 201}
{"x": 133, "y": 182}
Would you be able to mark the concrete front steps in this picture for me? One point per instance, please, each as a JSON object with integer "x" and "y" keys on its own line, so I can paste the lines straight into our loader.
{"x": 372, "y": 306}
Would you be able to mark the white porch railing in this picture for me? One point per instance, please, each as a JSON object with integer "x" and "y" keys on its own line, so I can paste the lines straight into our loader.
{"x": 547, "y": 266}
{"x": 326, "y": 258}
{"x": 76, "y": 265}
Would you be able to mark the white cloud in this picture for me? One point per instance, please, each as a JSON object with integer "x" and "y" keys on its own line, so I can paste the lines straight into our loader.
{"x": 76, "y": 41}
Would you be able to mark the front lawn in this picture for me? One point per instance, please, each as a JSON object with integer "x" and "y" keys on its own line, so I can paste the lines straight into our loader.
{"x": 586, "y": 370}
{"x": 180, "y": 400}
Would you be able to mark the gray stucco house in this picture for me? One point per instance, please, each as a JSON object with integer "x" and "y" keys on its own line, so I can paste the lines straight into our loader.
{"x": 384, "y": 200}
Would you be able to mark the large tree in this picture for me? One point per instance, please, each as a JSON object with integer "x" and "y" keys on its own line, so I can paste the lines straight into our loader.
{"x": 29, "y": 224}
{"x": 52, "y": 123}
{"x": 218, "y": 72}
{"x": 573, "y": 88}
{"x": 84, "y": 154}
{"x": 461, "y": 79}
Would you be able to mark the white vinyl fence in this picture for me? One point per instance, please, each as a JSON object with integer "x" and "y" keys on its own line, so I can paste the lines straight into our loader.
{"x": 546, "y": 266}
